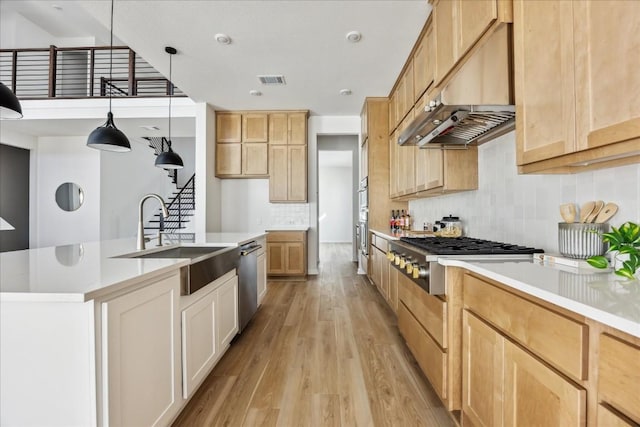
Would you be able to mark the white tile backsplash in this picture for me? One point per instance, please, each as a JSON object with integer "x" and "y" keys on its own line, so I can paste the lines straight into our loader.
{"x": 524, "y": 209}
{"x": 288, "y": 214}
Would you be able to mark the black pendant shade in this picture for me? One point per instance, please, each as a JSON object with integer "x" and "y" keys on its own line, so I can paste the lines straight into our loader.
{"x": 9, "y": 105}
{"x": 169, "y": 159}
{"x": 108, "y": 137}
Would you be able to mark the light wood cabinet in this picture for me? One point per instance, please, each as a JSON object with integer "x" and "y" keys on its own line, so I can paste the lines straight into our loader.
{"x": 228, "y": 127}
{"x": 536, "y": 395}
{"x": 228, "y": 159}
{"x": 254, "y": 159}
{"x": 619, "y": 377}
{"x": 255, "y": 127}
{"x": 287, "y": 253}
{"x": 460, "y": 26}
{"x": 288, "y": 157}
{"x": 141, "y": 356}
{"x": 482, "y": 373}
{"x": 569, "y": 117}
{"x": 241, "y": 149}
{"x": 423, "y": 64}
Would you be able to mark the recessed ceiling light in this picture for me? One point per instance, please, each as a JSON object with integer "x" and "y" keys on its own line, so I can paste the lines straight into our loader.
{"x": 150, "y": 127}
{"x": 223, "y": 38}
{"x": 354, "y": 36}
{"x": 345, "y": 92}
{"x": 255, "y": 93}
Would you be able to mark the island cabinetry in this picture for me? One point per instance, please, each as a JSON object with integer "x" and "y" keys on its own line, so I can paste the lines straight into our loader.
{"x": 286, "y": 253}
{"x": 141, "y": 355}
{"x": 570, "y": 118}
{"x": 521, "y": 362}
{"x": 209, "y": 323}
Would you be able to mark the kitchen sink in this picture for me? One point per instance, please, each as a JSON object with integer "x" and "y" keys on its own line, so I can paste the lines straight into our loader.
{"x": 207, "y": 263}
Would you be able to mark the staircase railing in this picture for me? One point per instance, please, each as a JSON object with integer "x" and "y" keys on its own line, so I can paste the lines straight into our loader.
{"x": 80, "y": 72}
{"x": 183, "y": 201}
{"x": 157, "y": 143}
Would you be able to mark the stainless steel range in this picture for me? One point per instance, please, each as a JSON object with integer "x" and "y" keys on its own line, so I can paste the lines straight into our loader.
{"x": 417, "y": 257}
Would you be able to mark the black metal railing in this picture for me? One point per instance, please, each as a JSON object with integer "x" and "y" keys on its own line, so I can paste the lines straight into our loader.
{"x": 158, "y": 145}
{"x": 181, "y": 206}
{"x": 80, "y": 72}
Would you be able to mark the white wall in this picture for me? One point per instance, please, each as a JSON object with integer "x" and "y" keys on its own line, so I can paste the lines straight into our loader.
{"x": 209, "y": 203}
{"x": 524, "y": 209}
{"x": 335, "y": 204}
{"x": 124, "y": 179}
{"x": 60, "y": 160}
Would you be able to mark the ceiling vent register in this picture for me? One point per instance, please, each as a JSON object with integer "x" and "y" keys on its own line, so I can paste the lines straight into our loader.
{"x": 272, "y": 80}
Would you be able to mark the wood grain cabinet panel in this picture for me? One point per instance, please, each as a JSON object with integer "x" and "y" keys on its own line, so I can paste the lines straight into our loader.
{"x": 444, "y": 29}
{"x": 278, "y": 128}
{"x": 287, "y": 253}
{"x": 606, "y": 418}
{"x": 482, "y": 373}
{"x": 278, "y": 173}
{"x": 535, "y": 395}
{"x": 474, "y": 19}
{"x": 228, "y": 159}
{"x": 619, "y": 376}
{"x": 423, "y": 64}
{"x": 429, "y": 310}
{"x": 297, "y": 127}
{"x": 255, "y": 159}
{"x": 255, "y": 127}
{"x": 228, "y": 127}
{"x": 297, "y": 173}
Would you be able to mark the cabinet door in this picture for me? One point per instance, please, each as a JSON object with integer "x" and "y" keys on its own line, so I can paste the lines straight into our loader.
{"x": 297, "y": 174}
{"x": 619, "y": 375}
{"x": 141, "y": 355}
{"x": 295, "y": 261}
{"x": 364, "y": 123}
{"x": 276, "y": 258}
{"x": 297, "y": 128}
{"x": 254, "y": 127}
{"x": 537, "y": 396}
{"x": 607, "y": 418}
{"x": 254, "y": 159}
{"x": 228, "y": 127}
{"x": 228, "y": 159}
{"x": 473, "y": 19}
{"x": 394, "y": 183}
{"x": 199, "y": 342}
{"x": 262, "y": 277}
{"x": 406, "y": 162}
{"x": 278, "y": 128}
{"x": 607, "y": 72}
{"x": 384, "y": 277}
{"x": 409, "y": 96}
{"x": 393, "y": 121}
{"x": 364, "y": 159}
{"x": 227, "y": 316}
{"x": 434, "y": 176}
{"x": 444, "y": 25}
{"x": 393, "y": 286}
{"x": 278, "y": 173}
{"x": 423, "y": 62}
{"x": 482, "y": 370}
{"x": 544, "y": 79}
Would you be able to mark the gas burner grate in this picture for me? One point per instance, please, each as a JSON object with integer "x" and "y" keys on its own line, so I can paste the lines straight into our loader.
{"x": 467, "y": 246}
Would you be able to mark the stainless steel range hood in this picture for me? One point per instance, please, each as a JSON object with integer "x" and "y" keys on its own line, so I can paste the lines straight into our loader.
{"x": 475, "y": 106}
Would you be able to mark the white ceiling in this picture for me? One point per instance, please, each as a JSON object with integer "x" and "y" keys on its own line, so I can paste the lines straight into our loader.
{"x": 303, "y": 39}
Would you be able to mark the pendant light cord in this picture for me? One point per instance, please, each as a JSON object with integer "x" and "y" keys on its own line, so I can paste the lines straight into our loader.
{"x": 111, "y": 57}
{"x": 170, "y": 96}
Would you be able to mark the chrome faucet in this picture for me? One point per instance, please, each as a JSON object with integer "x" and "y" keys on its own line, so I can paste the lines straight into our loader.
{"x": 165, "y": 214}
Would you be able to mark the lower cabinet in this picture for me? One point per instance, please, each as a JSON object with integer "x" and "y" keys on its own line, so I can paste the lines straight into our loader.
{"x": 287, "y": 253}
{"x": 141, "y": 356}
{"x": 209, "y": 323}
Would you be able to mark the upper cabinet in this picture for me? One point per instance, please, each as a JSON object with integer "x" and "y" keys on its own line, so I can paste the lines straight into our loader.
{"x": 264, "y": 144}
{"x": 577, "y": 85}
{"x": 459, "y": 26}
{"x": 423, "y": 64}
{"x": 241, "y": 149}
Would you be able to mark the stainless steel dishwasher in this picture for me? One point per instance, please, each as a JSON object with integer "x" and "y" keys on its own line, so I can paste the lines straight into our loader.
{"x": 247, "y": 283}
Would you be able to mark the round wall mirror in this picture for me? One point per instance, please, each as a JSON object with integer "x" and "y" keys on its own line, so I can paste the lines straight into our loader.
{"x": 69, "y": 196}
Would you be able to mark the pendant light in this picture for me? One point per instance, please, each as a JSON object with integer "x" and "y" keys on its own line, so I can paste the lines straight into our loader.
{"x": 9, "y": 105}
{"x": 108, "y": 137}
{"x": 169, "y": 159}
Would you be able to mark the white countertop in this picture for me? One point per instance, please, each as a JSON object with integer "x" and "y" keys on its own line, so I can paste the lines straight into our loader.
{"x": 85, "y": 271}
{"x": 598, "y": 295}
{"x": 288, "y": 228}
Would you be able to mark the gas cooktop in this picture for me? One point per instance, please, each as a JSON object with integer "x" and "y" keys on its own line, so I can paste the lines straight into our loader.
{"x": 466, "y": 246}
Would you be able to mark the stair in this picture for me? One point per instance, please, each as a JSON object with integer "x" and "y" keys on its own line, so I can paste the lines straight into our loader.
{"x": 157, "y": 143}
{"x": 180, "y": 205}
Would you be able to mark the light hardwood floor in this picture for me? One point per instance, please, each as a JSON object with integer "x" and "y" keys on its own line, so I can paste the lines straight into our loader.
{"x": 319, "y": 352}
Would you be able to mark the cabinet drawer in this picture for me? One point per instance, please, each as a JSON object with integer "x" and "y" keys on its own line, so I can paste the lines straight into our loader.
{"x": 429, "y": 310}
{"x": 380, "y": 243}
{"x": 619, "y": 376}
{"x": 607, "y": 418}
{"x": 558, "y": 339}
{"x": 430, "y": 357}
{"x": 285, "y": 236}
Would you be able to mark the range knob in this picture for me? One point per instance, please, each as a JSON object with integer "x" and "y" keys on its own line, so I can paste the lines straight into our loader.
{"x": 420, "y": 273}
{"x": 403, "y": 262}
{"x": 396, "y": 259}
{"x": 433, "y": 103}
{"x": 391, "y": 255}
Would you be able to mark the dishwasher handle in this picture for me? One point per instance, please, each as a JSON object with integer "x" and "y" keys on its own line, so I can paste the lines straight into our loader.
{"x": 249, "y": 249}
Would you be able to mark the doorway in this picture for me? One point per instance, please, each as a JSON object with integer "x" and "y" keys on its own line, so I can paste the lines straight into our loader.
{"x": 338, "y": 190}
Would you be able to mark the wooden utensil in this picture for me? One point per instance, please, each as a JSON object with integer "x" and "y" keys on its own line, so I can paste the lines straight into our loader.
{"x": 606, "y": 213}
{"x": 585, "y": 210}
{"x": 568, "y": 212}
{"x": 596, "y": 210}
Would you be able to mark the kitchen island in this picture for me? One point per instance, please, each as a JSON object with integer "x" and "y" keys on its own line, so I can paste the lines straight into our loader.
{"x": 89, "y": 337}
